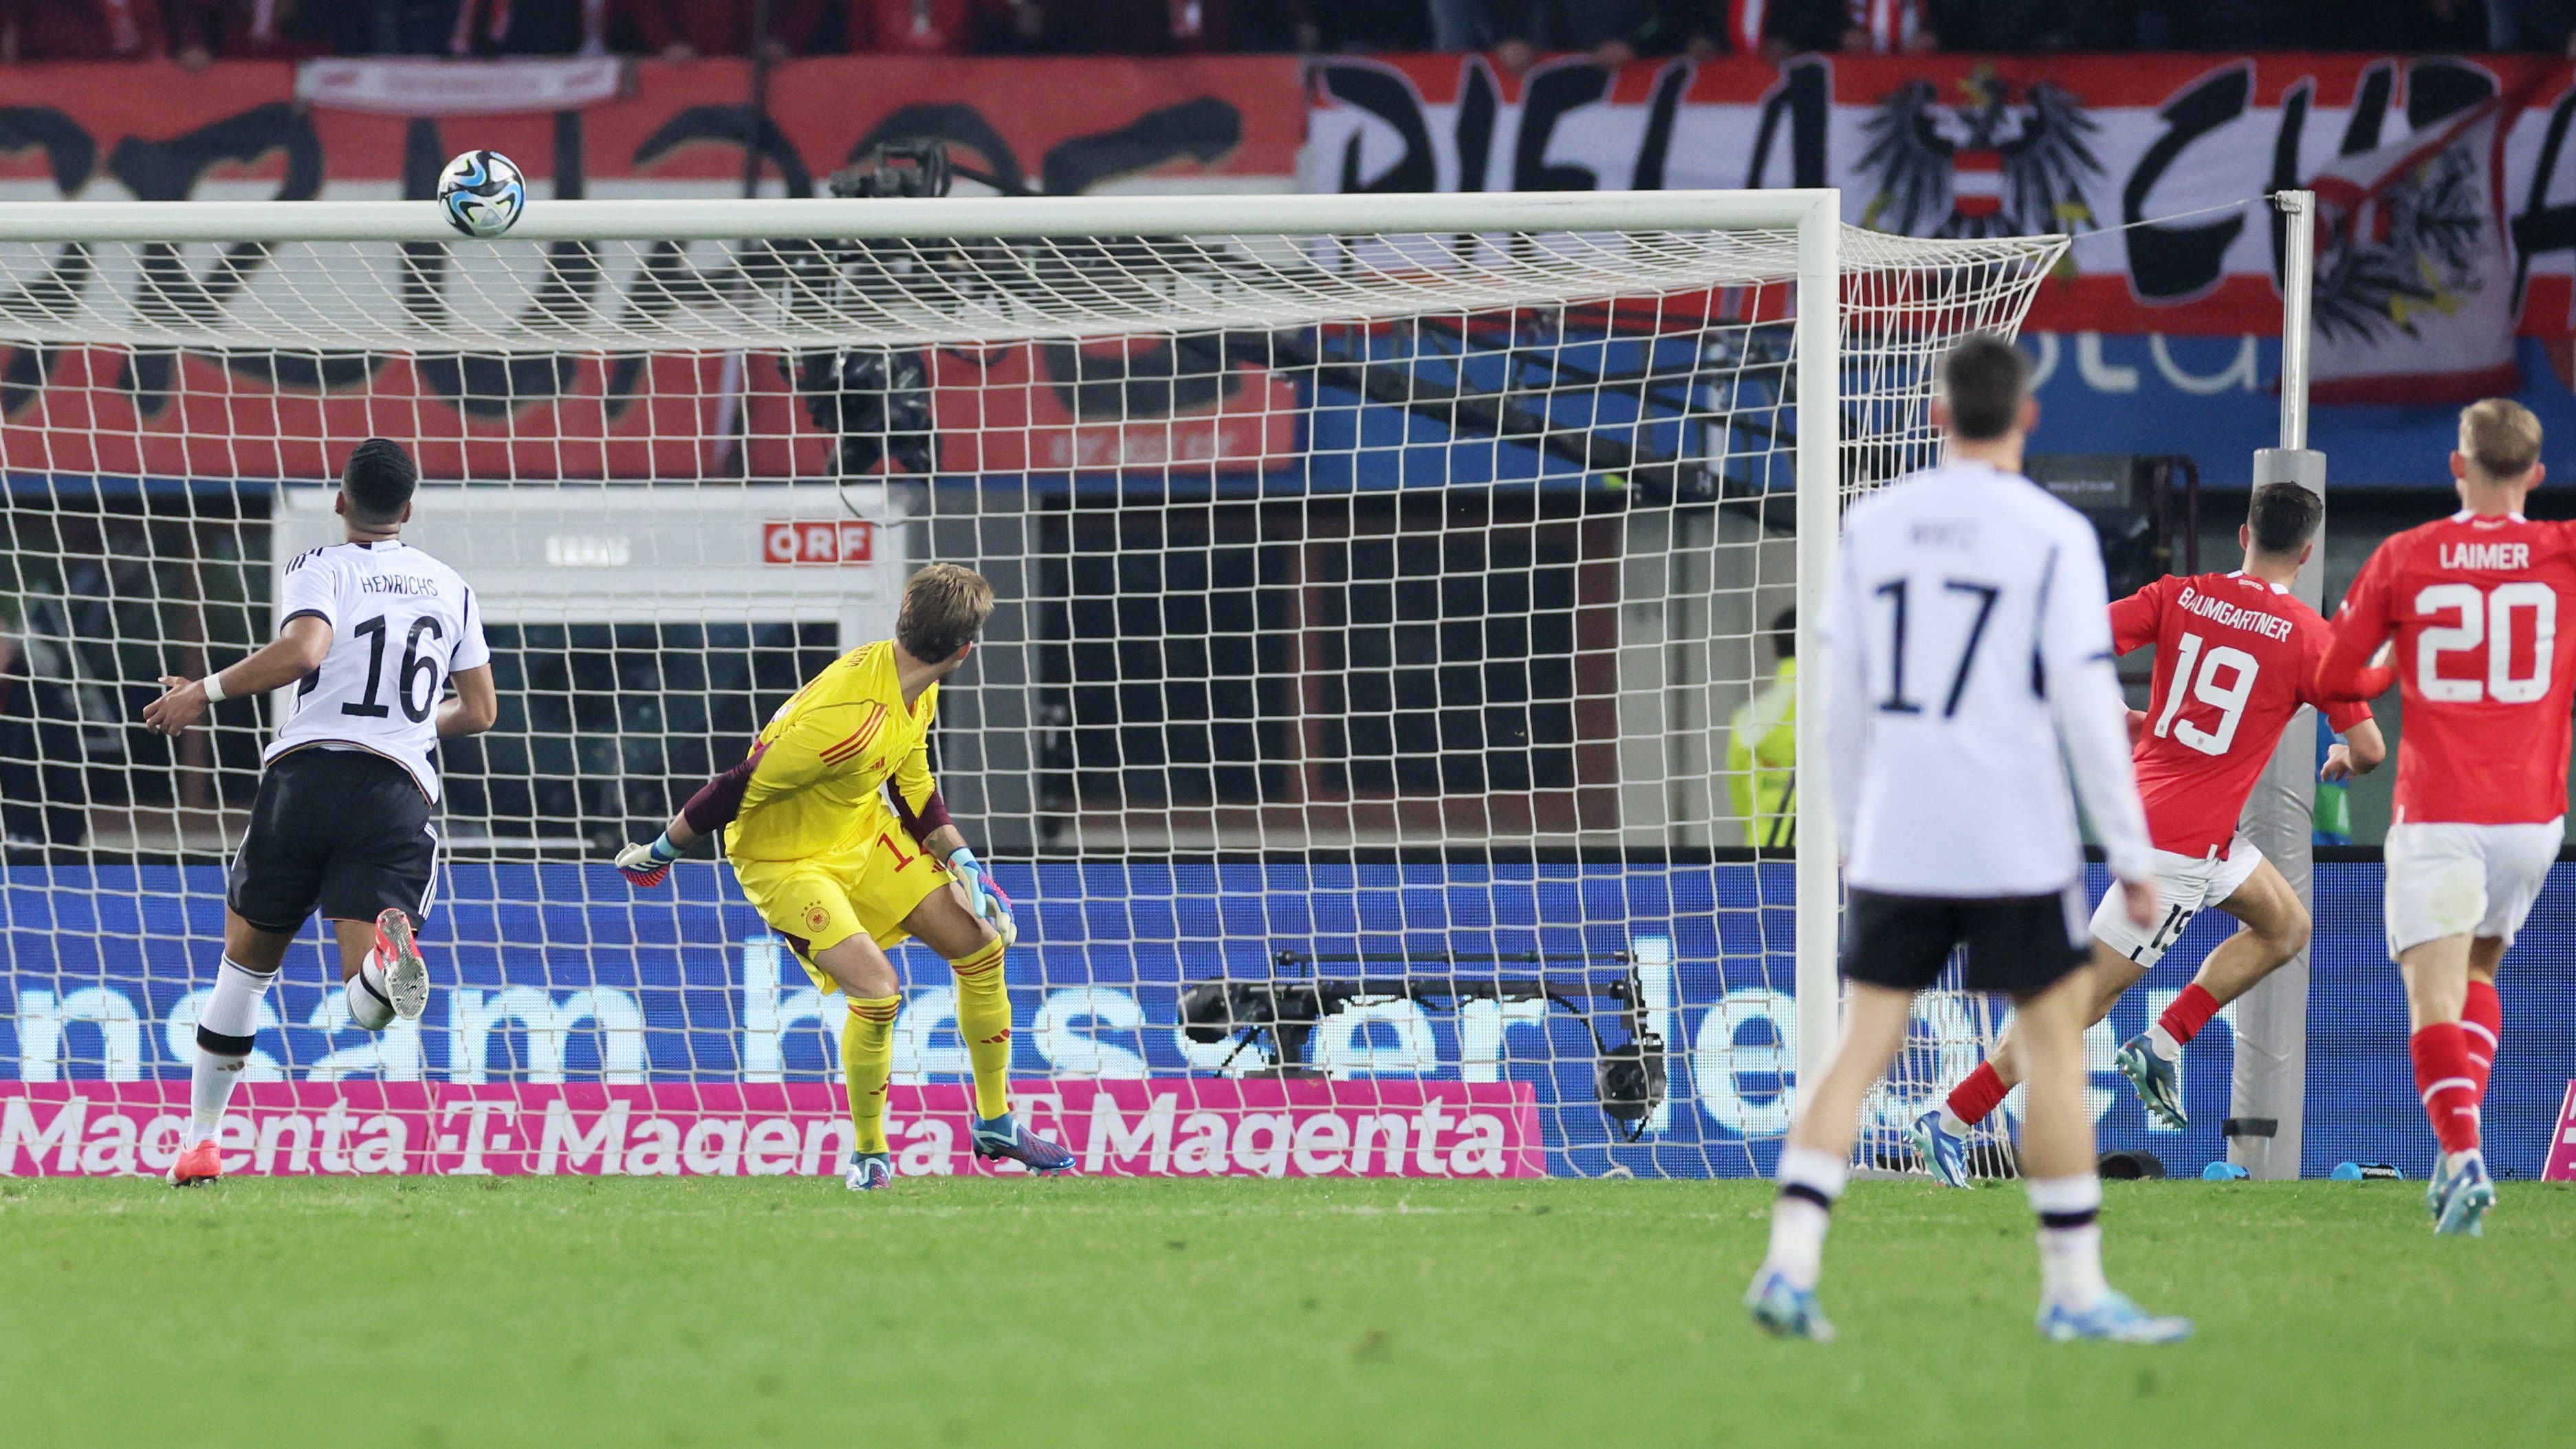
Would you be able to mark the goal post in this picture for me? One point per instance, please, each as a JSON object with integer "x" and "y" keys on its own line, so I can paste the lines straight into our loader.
{"x": 1387, "y": 584}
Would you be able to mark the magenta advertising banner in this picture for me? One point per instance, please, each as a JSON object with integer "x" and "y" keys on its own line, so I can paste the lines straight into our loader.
{"x": 1184, "y": 1127}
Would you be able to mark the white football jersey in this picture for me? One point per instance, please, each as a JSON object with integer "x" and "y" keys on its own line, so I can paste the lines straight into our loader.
{"x": 401, "y": 623}
{"x": 1969, "y": 673}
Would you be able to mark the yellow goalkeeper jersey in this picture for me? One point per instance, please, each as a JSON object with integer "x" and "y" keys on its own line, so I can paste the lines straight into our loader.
{"x": 825, "y": 757}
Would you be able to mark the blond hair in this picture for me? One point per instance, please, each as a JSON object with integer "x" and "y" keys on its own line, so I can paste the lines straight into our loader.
{"x": 2501, "y": 437}
{"x": 944, "y": 607}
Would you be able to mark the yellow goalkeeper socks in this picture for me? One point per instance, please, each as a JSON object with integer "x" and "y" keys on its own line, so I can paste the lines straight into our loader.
{"x": 984, "y": 1020}
{"x": 867, "y": 1059}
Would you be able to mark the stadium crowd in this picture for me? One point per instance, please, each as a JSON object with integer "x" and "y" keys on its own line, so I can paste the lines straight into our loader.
{"x": 196, "y": 32}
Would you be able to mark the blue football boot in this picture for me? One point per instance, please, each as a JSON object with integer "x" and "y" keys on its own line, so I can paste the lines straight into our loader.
{"x": 1786, "y": 1311}
{"x": 2112, "y": 1319}
{"x": 869, "y": 1171}
{"x": 2157, "y": 1082}
{"x": 2467, "y": 1194}
{"x": 1004, "y": 1139}
{"x": 1944, "y": 1153}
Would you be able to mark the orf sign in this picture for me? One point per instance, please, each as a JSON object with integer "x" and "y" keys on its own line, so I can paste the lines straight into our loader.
{"x": 846, "y": 541}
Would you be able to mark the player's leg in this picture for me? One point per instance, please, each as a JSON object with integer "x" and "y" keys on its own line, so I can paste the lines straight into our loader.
{"x": 1893, "y": 946}
{"x": 942, "y": 920}
{"x": 2018, "y": 947}
{"x": 1941, "y": 1135}
{"x": 808, "y": 904}
{"x": 377, "y": 888}
{"x": 275, "y": 880}
{"x": 2482, "y": 1011}
{"x": 2274, "y": 927}
{"x": 2443, "y": 893}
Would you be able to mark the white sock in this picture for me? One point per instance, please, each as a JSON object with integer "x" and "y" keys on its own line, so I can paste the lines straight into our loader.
{"x": 1954, "y": 1124}
{"x": 2161, "y": 1042}
{"x": 365, "y": 993}
{"x": 1798, "y": 1219}
{"x": 2070, "y": 1240}
{"x": 224, "y": 1030}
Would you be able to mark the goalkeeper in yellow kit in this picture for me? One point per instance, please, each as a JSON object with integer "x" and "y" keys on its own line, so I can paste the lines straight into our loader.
{"x": 838, "y": 835}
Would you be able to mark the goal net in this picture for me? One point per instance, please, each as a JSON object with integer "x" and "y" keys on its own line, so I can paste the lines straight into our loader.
{"x": 1384, "y": 709}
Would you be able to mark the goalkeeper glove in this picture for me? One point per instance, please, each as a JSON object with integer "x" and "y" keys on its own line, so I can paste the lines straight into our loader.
{"x": 646, "y": 865}
{"x": 984, "y": 895}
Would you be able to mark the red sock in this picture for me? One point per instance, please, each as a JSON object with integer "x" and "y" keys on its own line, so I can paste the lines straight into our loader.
{"x": 2483, "y": 1020}
{"x": 2188, "y": 1013}
{"x": 1978, "y": 1096}
{"x": 2442, "y": 1076}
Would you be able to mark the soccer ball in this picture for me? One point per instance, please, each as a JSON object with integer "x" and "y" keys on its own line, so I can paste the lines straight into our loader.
{"x": 482, "y": 193}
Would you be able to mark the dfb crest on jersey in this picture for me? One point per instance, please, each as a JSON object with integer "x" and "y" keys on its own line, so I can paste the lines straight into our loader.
{"x": 1987, "y": 165}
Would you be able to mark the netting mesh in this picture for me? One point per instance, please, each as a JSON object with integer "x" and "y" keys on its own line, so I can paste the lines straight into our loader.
{"x": 1384, "y": 689}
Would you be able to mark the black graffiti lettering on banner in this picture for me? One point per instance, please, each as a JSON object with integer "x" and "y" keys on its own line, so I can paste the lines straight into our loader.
{"x": 1671, "y": 84}
{"x": 169, "y": 294}
{"x": 71, "y": 155}
{"x": 1479, "y": 101}
{"x": 2544, "y": 226}
{"x": 1804, "y": 96}
{"x": 1204, "y": 130}
{"x": 1389, "y": 96}
{"x": 2436, "y": 90}
{"x": 1547, "y": 94}
{"x": 2175, "y": 263}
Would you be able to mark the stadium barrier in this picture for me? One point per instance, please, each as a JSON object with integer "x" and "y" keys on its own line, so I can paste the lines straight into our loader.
{"x": 681, "y": 1011}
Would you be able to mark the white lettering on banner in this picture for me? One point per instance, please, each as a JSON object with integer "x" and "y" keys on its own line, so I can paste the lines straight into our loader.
{"x": 656, "y": 1152}
{"x": 1074, "y": 1052}
{"x": 2240, "y": 375}
{"x": 560, "y": 1140}
{"x": 1481, "y": 1027}
{"x": 2099, "y": 375}
{"x": 19, "y": 1133}
{"x": 479, "y": 1114}
{"x": 1150, "y": 1138}
{"x": 473, "y": 1018}
{"x": 42, "y": 1036}
{"x": 179, "y": 1033}
{"x": 2486, "y": 555}
{"x": 770, "y": 1011}
{"x": 924, "y": 1014}
{"x": 1719, "y": 1061}
{"x": 1346, "y": 1047}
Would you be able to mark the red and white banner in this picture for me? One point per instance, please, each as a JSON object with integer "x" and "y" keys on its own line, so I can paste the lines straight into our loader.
{"x": 1187, "y": 1127}
{"x": 372, "y": 129}
{"x": 2414, "y": 270}
{"x": 2148, "y": 161}
{"x": 2560, "y": 1164}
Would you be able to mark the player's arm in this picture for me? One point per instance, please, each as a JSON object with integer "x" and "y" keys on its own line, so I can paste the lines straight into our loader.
{"x": 2139, "y": 618}
{"x": 2361, "y": 750}
{"x": 915, "y": 796}
{"x": 476, "y": 706}
{"x": 787, "y": 765}
{"x": 2093, "y": 717}
{"x": 2354, "y": 667}
{"x": 297, "y": 651}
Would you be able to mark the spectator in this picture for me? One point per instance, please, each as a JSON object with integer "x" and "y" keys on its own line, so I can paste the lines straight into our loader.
{"x": 1614, "y": 31}
{"x": 204, "y": 31}
{"x": 679, "y": 30}
{"x": 1371, "y": 24}
{"x": 529, "y": 27}
{"x": 921, "y": 27}
{"x": 1112, "y": 27}
{"x": 79, "y": 29}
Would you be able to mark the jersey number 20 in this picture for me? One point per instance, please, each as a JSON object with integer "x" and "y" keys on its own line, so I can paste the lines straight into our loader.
{"x": 2486, "y": 617}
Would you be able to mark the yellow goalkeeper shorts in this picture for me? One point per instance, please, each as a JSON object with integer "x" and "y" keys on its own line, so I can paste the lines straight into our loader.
{"x": 817, "y": 904}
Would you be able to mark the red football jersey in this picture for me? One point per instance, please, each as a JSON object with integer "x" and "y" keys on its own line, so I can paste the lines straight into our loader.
{"x": 2483, "y": 666}
{"x": 2235, "y": 658}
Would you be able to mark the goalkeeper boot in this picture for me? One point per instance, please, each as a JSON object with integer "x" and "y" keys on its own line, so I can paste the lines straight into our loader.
{"x": 1944, "y": 1153}
{"x": 1786, "y": 1310}
{"x": 869, "y": 1171}
{"x": 398, "y": 956}
{"x": 2111, "y": 1319}
{"x": 1004, "y": 1139}
{"x": 2157, "y": 1082}
{"x": 2467, "y": 1194}
{"x": 197, "y": 1165}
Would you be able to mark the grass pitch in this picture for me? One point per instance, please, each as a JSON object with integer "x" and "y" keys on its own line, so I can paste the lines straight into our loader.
{"x": 1078, "y": 1312}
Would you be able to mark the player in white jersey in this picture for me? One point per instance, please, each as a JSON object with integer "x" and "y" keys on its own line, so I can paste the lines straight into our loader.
{"x": 1967, "y": 651}
{"x": 371, "y": 632}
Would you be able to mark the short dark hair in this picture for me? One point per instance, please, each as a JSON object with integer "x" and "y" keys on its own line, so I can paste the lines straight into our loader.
{"x": 944, "y": 608}
{"x": 1984, "y": 379}
{"x": 2284, "y": 516}
{"x": 378, "y": 480}
{"x": 1784, "y": 632}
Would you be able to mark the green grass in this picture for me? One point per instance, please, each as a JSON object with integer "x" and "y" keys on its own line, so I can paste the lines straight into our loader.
{"x": 569, "y": 1311}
